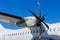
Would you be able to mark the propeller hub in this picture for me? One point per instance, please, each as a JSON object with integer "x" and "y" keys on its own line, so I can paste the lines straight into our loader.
{"x": 42, "y": 19}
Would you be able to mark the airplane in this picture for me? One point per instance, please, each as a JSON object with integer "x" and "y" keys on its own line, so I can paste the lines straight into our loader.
{"x": 31, "y": 33}
{"x": 32, "y": 26}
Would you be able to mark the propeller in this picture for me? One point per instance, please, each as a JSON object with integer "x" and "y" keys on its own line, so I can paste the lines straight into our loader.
{"x": 40, "y": 19}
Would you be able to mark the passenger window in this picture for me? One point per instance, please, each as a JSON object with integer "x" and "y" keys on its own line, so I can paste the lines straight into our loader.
{"x": 54, "y": 29}
{"x": 12, "y": 34}
{"x": 8, "y": 35}
{"x": 43, "y": 30}
{"x": 33, "y": 31}
{"x": 58, "y": 29}
{"x": 18, "y": 33}
{"x": 36, "y": 31}
{"x": 28, "y": 32}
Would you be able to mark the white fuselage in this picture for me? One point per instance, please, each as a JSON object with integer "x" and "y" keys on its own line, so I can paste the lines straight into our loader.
{"x": 20, "y": 34}
{"x": 30, "y": 33}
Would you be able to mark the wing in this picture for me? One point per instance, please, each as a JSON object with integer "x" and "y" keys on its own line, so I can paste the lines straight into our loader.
{"x": 9, "y": 18}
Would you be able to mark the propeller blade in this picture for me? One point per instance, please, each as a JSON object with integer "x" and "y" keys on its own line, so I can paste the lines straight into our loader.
{"x": 39, "y": 11}
{"x": 34, "y": 14}
{"x": 40, "y": 31}
{"x": 46, "y": 25}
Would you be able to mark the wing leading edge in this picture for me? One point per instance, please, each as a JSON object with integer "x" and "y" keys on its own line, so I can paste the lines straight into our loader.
{"x": 9, "y": 18}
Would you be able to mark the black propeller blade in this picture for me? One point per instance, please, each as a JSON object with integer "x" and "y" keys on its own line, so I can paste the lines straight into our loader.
{"x": 33, "y": 14}
{"x": 46, "y": 25}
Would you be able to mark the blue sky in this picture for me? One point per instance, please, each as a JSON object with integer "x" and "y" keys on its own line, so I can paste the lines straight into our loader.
{"x": 19, "y": 8}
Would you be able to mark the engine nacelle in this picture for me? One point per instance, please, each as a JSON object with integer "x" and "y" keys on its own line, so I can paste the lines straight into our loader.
{"x": 29, "y": 21}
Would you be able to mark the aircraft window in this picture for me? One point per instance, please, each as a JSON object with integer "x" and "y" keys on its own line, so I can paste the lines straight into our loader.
{"x": 33, "y": 31}
{"x": 12, "y": 34}
{"x": 58, "y": 29}
{"x": 8, "y": 35}
{"x": 25, "y": 32}
{"x": 36, "y": 31}
{"x": 28, "y": 32}
{"x": 18, "y": 33}
{"x": 43, "y": 30}
{"x": 54, "y": 29}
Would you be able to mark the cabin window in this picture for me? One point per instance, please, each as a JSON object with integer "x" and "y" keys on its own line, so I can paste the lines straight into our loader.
{"x": 16, "y": 33}
{"x": 37, "y": 31}
{"x": 43, "y": 30}
{"x": 54, "y": 29}
{"x": 8, "y": 35}
{"x": 20, "y": 33}
{"x": 12, "y": 34}
{"x": 58, "y": 29}
{"x": 28, "y": 32}
{"x": 25, "y": 33}
{"x": 33, "y": 31}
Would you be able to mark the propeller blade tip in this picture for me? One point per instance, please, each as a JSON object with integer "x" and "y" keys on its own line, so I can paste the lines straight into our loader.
{"x": 38, "y": 3}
